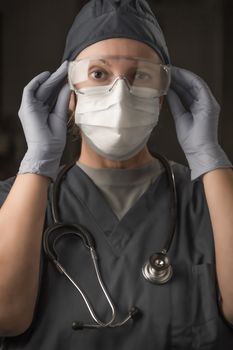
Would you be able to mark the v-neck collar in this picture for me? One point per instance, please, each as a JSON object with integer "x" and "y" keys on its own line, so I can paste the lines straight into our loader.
{"x": 118, "y": 178}
{"x": 117, "y": 232}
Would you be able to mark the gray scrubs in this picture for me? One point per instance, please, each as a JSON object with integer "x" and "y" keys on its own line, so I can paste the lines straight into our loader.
{"x": 182, "y": 314}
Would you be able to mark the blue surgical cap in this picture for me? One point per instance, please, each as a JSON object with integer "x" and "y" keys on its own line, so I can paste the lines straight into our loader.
{"x": 106, "y": 19}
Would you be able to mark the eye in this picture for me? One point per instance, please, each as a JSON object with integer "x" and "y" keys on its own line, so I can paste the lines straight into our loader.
{"x": 142, "y": 76}
{"x": 98, "y": 74}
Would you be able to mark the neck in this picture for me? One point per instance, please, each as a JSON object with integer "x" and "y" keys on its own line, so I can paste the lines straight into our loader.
{"x": 90, "y": 158}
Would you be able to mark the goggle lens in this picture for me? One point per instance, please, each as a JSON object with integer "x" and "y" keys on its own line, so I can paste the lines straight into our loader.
{"x": 104, "y": 71}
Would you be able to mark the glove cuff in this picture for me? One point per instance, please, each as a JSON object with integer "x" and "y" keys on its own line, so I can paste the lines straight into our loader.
{"x": 48, "y": 167}
{"x": 209, "y": 159}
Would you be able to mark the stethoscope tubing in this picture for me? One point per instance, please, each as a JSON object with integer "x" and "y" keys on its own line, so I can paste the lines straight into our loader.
{"x": 149, "y": 269}
{"x": 173, "y": 201}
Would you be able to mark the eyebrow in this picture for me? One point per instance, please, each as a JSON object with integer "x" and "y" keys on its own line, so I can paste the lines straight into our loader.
{"x": 99, "y": 60}
{"x": 108, "y": 62}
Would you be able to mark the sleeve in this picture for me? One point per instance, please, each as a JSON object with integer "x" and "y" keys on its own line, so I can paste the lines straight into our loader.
{"x": 5, "y": 187}
{"x": 219, "y": 297}
{"x": 198, "y": 206}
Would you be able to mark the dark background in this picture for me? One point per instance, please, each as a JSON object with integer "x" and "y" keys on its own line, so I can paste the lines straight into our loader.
{"x": 199, "y": 35}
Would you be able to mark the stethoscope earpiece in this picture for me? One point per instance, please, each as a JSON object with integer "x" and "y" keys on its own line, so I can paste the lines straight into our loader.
{"x": 133, "y": 314}
{"x": 77, "y": 326}
{"x": 157, "y": 269}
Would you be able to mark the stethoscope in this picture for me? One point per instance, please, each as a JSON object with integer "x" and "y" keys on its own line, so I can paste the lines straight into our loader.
{"x": 157, "y": 269}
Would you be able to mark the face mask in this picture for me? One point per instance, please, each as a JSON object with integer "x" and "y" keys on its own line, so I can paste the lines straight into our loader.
{"x": 117, "y": 124}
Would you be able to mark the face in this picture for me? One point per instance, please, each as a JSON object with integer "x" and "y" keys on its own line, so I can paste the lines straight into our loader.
{"x": 118, "y": 47}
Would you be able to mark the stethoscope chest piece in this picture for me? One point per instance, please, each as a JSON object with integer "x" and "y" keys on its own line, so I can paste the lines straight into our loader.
{"x": 157, "y": 269}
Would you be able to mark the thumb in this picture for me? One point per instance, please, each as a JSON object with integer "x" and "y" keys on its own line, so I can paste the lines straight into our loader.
{"x": 175, "y": 104}
{"x": 61, "y": 107}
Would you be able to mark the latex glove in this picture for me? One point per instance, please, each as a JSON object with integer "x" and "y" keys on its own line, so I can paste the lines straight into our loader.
{"x": 196, "y": 114}
{"x": 43, "y": 114}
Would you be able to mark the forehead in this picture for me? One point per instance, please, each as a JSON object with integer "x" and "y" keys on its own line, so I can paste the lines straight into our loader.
{"x": 120, "y": 47}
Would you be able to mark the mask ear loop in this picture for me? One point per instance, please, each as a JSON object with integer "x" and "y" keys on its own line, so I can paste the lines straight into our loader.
{"x": 72, "y": 128}
{"x": 70, "y": 123}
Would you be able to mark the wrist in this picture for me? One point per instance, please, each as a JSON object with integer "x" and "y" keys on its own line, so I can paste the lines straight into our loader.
{"x": 47, "y": 167}
{"x": 41, "y": 179}
{"x": 209, "y": 158}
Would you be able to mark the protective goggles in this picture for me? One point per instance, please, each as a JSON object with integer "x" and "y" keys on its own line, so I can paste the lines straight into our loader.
{"x": 100, "y": 73}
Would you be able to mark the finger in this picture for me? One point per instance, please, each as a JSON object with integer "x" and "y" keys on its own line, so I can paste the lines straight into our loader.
{"x": 33, "y": 85}
{"x": 62, "y": 103}
{"x": 182, "y": 118}
{"x": 185, "y": 96}
{"x": 192, "y": 84}
{"x": 52, "y": 83}
{"x": 186, "y": 78}
{"x": 176, "y": 106}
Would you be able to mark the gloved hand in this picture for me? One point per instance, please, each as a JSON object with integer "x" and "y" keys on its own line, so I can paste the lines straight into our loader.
{"x": 196, "y": 114}
{"x": 43, "y": 114}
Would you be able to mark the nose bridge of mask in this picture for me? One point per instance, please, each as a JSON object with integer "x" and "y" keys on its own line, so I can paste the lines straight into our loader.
{"x": 121, "y": 92}
{"x": 122, "y": 83}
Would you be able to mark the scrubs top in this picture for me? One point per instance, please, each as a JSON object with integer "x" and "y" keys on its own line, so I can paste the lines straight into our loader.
{"x": 182, "y": 314}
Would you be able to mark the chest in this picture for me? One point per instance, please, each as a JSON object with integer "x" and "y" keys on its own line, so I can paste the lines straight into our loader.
{"x": 176, "y": 314}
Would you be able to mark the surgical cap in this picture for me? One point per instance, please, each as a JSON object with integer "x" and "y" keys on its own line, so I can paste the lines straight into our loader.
{"x": 106, "y": 19}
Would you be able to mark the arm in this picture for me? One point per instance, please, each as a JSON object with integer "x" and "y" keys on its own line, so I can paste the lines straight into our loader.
{"x": 218, "y": 187}
{"x": 21, "y": 225}
{"x": 196, "y": 114}
{"x": 23, "y": 212}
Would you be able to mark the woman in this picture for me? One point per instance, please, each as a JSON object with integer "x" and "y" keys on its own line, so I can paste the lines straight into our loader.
{"x": 118, "y": 191}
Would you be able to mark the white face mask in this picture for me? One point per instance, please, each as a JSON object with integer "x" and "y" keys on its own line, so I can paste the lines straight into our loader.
{"x": 117, "y": 124}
